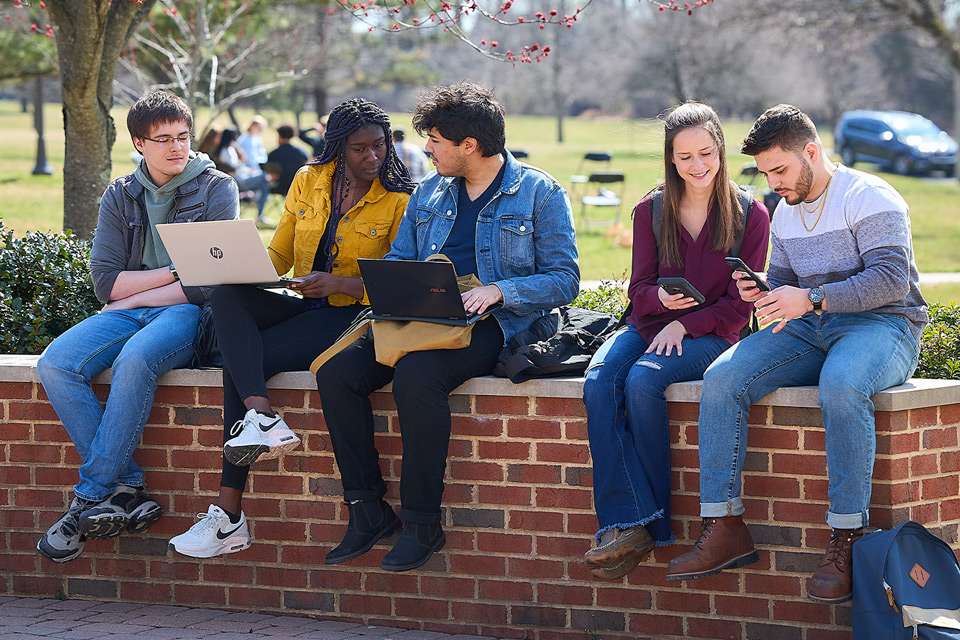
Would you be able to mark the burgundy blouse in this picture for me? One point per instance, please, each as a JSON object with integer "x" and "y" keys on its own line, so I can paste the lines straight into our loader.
{"x": 723, "y": 313}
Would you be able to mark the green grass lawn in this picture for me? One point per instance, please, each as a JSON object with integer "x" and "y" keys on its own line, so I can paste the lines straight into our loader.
{"x": 36, "y": 202}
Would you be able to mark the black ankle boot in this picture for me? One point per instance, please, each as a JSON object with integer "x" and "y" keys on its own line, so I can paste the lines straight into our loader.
{"x": 370, "y": 520}
{"x": 414, "y": 546}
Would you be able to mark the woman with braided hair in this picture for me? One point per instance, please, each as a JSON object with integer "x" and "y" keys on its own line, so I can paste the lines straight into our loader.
{"x": 345, "y": 205}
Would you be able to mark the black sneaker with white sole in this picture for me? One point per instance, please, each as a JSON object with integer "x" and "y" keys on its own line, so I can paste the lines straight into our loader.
{"x": 127, "y": 509}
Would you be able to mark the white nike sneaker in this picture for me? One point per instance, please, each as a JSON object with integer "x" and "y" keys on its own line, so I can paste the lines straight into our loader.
{"x": 258, "y": 436}
{"x": 212, "y": 535}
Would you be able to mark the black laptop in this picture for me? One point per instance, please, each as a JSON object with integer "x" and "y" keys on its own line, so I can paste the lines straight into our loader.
{"x": 415, "y": 290}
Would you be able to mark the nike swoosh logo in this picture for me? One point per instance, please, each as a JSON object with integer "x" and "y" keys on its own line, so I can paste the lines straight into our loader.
{"x": 270, "y": 426}
{"x": 223, "y": 535}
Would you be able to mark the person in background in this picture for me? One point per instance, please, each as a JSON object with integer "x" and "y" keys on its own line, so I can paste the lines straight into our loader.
{"x": 315, "y": 136}
{"x": 233, "y": 160}
{"x": 251, "y": 142}
{"x": 210, "y": 143}
{"x": 343, "y": 206}
{"x": 668, "y": 337}
{"x": 146, "y": 328}
{"x": 846, "y": 314}
{"x": 287, "y": 157}
{"x": 412, "y": 156}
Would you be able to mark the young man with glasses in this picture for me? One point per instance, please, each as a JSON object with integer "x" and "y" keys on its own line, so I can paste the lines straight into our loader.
{"x": 146, "y": 328}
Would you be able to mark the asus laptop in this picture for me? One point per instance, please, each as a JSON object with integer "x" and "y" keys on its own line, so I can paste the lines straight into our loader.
{"x": 415, "y": 290}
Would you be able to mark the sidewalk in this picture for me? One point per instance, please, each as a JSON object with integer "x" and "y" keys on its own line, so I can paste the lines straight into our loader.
{"x": 32, "y": 618}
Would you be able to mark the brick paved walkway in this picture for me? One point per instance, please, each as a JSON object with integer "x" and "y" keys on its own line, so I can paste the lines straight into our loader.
{"x": 32, "y": 618}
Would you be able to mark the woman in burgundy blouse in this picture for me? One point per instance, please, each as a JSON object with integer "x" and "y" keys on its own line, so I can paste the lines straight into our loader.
{"x": 668, "y": 337}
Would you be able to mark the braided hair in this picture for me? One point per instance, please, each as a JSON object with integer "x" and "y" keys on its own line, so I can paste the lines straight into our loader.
{"x": 345, "y": 119}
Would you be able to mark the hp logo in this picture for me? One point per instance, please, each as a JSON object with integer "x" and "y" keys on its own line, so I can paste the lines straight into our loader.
{"x": 216, "y": 252}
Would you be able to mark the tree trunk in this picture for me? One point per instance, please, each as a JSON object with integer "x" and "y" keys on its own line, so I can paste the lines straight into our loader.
{"x": 559, "y": 88}
{"x": 90, "y": 36}
{"x": 320, "y": 74}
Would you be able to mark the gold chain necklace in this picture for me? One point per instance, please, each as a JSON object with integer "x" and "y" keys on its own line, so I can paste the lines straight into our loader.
{"x": 818, "y": 209}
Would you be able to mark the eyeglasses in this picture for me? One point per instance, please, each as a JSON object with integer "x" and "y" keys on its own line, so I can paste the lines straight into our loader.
{"x": 167, "y": 141}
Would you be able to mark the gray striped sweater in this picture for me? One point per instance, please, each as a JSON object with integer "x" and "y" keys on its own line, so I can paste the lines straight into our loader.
{"x": 861, "y": 251}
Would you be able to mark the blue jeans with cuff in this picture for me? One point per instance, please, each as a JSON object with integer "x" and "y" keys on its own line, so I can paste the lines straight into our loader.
{"x": 851, "y": 356}
{"x": 628, "y": 427}
{"x": 140, "y": 345}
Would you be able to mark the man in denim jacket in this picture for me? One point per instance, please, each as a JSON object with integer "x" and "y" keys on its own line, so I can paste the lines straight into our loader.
{"x": 146, "y": 328}
{"x": 509, "y": 224}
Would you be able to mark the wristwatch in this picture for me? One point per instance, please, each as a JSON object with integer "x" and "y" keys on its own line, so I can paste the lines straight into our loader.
{"x": 173, "y": 270}
{"x": 816, "y": 296}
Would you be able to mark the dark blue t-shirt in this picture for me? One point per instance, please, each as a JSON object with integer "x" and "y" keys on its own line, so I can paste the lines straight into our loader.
{"x": 461, "y": 244}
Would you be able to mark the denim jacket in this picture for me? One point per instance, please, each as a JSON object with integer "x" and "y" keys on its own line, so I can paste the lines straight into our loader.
{"x": 525, "y": 240}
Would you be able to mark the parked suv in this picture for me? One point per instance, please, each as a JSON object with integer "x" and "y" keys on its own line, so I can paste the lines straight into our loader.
{"x": 903, "y": 142}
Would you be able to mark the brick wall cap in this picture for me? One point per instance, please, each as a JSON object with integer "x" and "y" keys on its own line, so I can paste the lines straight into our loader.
{"x": 915, "y": 393}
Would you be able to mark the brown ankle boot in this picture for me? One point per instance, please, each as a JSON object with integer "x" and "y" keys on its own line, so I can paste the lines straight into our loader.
{"x": 617, "y": 545}
{"x": 833, "y": 580}
{"x": 724, "y": 543}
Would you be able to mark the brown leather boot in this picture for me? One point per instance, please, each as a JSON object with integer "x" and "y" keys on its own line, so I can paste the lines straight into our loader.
{"x": 724, "y": 543}
{"x": 618, "y": 570}
{"x": 833, "y": 580}
{"x": 617, "y": 545}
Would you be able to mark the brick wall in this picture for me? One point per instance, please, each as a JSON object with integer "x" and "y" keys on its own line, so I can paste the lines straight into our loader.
{"x": 518, "y": 513}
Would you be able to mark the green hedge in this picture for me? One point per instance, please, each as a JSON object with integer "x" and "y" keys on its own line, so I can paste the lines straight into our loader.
{"x": 940, "y": 345}
{"x": 45, "y": 288}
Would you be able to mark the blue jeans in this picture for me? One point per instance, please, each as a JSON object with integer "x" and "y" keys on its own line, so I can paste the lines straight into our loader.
{"x": 851, "y": 356}
{"x": 628, "y": 429}
{"x": 140, "y": 345}
{"x": 259, "y": 184}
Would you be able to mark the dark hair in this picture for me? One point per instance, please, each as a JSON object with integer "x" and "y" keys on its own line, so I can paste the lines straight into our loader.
{"x": 345, "y": 119}
{"x": 227, "y": 138}
{"x": 782, "y": 126}
{"x": 725, "y": 195}
{"x": 210, "y": 141}
{"x": 398, "y": 134}
{"x": 158, "y": 107}
{"x": 285, "y": 131}
{"x": 463, "y": 110}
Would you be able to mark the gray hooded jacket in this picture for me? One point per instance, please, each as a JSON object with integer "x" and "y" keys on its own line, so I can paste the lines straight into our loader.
{"x": 119, "y": 237}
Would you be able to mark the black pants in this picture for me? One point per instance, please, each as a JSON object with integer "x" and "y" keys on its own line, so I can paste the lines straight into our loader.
{"x": 260, "y": 334}
{"x": 422, "y": 382}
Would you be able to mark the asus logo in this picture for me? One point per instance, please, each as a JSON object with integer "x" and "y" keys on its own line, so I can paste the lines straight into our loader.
{"x": 437, "y": 290}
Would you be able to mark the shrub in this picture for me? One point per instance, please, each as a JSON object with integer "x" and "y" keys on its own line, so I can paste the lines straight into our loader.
{"x": 45, "y": 288}
{"x": 610, "y": 297}
{"x": 940, "y": 344}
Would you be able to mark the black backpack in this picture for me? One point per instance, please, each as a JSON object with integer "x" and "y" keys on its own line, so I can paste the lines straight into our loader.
{"x": 560, "y": 343}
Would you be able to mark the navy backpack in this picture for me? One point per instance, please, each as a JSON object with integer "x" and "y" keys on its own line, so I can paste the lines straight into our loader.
{"x": 906, "y": 584}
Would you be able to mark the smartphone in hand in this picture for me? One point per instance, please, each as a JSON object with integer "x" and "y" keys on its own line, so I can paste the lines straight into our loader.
{"x": 739, "y": 265}
{"x": 681, "y": 285}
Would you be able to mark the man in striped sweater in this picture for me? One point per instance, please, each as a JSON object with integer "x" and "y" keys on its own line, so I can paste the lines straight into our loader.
{"x": 845, "y": 313}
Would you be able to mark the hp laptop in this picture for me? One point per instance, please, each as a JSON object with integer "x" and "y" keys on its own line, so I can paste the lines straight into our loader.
{"x": 220, "y": 252}
{"x": 414, "y": 290}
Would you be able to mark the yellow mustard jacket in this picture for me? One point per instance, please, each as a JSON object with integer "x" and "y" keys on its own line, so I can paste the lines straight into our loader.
{"x": 365, "y": 231}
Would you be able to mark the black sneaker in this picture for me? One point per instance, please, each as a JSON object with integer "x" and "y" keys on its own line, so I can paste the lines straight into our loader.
{"x": 63, "y": 541}
{"x": 127, "y": 508}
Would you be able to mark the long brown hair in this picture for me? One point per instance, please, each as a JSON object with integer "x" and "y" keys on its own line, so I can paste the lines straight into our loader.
{"x": 725, "y": 194}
